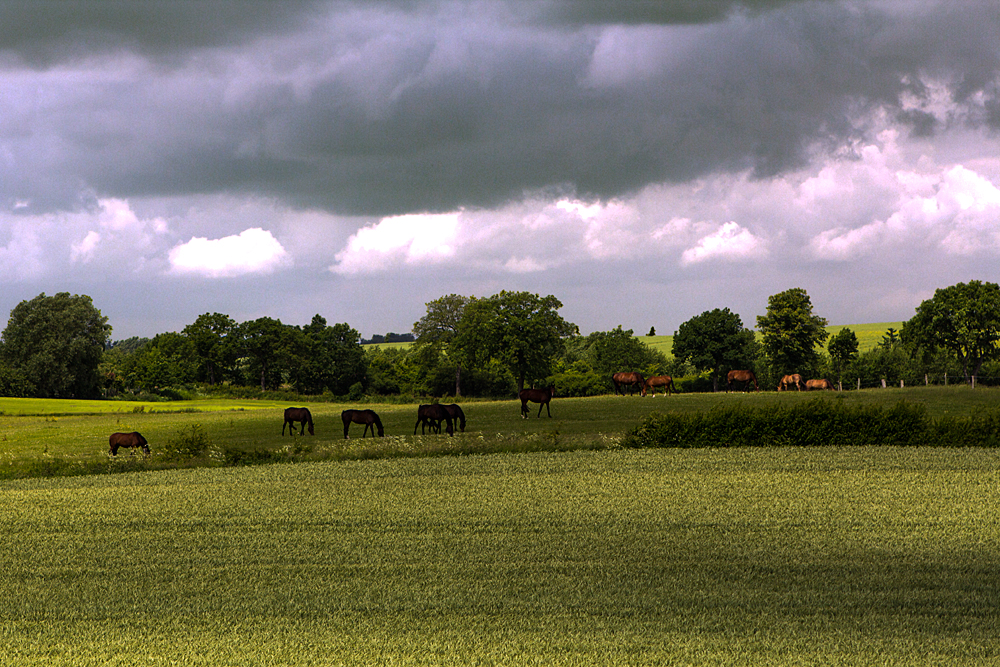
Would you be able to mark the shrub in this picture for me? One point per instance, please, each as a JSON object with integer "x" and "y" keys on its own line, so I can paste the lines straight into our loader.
{"x": 188, "y": 443}
{"x": 814, "y": 423}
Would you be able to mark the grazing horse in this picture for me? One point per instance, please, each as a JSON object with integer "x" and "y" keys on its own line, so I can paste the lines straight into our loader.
{"x": 664, "y": 381}
{"x": 540, "y": 396}
{"x": 457, "y": 414}
{"x": 301, "y": 415}
{"x": 793, "y": 380}
{"x": 741, "y": 376}
{"x": 630, "y": 380}
{"x": 431, "y": 416}
{"x": 130, "y": 440}
{"x": 819, "y": 384}
{"x": 366, "y": 417}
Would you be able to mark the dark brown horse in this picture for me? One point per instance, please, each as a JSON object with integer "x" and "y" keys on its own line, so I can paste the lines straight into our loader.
{"x": 664, "y": 381}
{"x": 629, "y": 380}
{"x": 457, "y": 414}
{"x": 431, "y": 416}
{"x": 540, "y": 396}
{"x": 301, "y": 415}
{"x": 819, "y": 384}
{"x": 130, "y": 440}
{"x": 788, "y": 381}
{"x": 366, "y": 417}
{"x": 746, "y": 377}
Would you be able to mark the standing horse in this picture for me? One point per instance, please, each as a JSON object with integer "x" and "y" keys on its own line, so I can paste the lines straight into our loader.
{"x": 793, "y": 380}
{"x": 301, "y": 415}
{"x": 457, "y": 414}
{"x": 745, "y": 377}
{"x": 431, "y": 416}
{"x": 540, "y": 396}
{"x": 819, "y": 384}
{"x": 664, "y": 381}
{"x": 630, "y": 380}
{"x": 130, "y": 440}
{"x": 366, "y": 417}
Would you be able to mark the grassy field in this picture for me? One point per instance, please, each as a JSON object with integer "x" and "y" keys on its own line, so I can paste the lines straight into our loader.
{"x": 867, "y": 556}
{"x": 79, "y": 430}
{"x": 600, "y": 556}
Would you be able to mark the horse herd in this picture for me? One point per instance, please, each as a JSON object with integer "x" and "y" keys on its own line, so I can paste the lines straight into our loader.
{"x": 742, "y": 379}
{"x": 431, "y": 417}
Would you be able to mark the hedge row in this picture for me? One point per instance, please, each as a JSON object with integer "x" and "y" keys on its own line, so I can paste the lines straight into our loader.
{"x": 815, "y": 423}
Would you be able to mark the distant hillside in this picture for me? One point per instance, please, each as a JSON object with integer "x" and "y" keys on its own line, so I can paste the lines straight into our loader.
{"x": 869, "y": 336}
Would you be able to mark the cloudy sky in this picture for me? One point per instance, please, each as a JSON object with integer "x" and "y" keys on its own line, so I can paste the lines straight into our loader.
{"x": 642, "y": 161}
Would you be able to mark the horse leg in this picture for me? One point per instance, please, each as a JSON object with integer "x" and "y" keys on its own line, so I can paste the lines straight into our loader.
{"x": 547, "y": 409}
{"x": 347, "y": 426}
{"x": 524, "y": 409}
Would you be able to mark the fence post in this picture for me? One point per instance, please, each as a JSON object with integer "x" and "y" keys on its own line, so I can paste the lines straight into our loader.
{"x": 900, "y": 384}
{"x": 973, "y": 381}
{"x": 925, "y": 379}
{"x": 859, "y": 384}
{"x": 946, "y": 378}
{"x": 883, "y": 383}
{"x": 840, "y": 386}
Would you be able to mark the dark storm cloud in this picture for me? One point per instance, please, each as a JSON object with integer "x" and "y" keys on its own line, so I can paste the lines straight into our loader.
{"x": 383, "y": 108}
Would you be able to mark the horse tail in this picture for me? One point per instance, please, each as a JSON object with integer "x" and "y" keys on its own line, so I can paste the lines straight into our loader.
{"x": 309, "y": 420}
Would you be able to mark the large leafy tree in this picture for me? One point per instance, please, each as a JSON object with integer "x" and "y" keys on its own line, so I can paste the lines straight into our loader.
{"x": 619, "y": 350}
{"x": 333, "y": 358}
{"x": 214, "y": 337}
{"x": 270, "y": 349}
{"x": 790, "y": 332}
{"x": 438, "y": 329}
{"x": 715, "y": 341}
{"x": 843, "y": 349}
{"x": 963, "y": 319}
{"x": 56, "y": 344}
{"x": 520, "y": 330}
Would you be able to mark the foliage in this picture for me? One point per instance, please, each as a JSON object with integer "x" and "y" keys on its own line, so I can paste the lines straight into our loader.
{"x": 189, "y": 442}
{"x": 715, "y": 341}
{"x": 215, "y": 339}
{"x": 843, "y": 349}
{"x": 963, "y": 319}
{"x": 610, "y": 352}
{"x": 522, "y": 331}
{"x": 54, "y": 344}
{"x": 813, "y": 423}
{"x": 438, "y": 329}
{"x": 333, "y": 359}
{"x": 790, "y": 332}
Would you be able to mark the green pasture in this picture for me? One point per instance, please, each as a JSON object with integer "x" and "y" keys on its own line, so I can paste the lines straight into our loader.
{"x": 79, "y": 430}
{"x": 791, "y": 556}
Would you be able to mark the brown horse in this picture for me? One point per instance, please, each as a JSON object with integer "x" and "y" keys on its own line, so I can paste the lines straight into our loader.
{"x": 130, "y": 440}
{"x": 745, "y": 377}
{"x": 664, "y": 381}
{"x": 629, "y": 380}
{"x": 457, "y": 414}
{"x": 540, "y": 396}
{"x": 431, "y": 416}
{"x": 819, "y": 384}
{"x": 366, "y": 417}
{"x": 301, "y": 415}
{"x": 788, "y": 381}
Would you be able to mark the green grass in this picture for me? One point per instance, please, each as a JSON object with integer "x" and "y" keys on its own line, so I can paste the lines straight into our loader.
{"x": 78, "y": 431}
{"x": 864, "y": 556}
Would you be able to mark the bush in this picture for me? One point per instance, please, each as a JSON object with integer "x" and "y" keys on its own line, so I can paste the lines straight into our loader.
{"x": 188, "y": 443}
{"x": 814, "y": 423}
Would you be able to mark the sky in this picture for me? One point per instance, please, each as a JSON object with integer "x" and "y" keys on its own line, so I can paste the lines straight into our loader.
{"x": 642, "y": 161}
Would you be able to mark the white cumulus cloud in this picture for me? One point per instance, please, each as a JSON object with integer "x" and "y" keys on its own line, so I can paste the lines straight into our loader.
{"x": 405, "y": 239}
{"x": 731, "y": 241}
{"x": 252, "y": 251}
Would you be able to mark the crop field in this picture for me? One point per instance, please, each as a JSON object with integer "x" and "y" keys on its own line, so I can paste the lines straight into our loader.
{"x": 600, "y": 556}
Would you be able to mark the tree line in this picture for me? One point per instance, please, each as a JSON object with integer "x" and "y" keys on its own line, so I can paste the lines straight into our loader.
{"x": 60, "y": 346}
